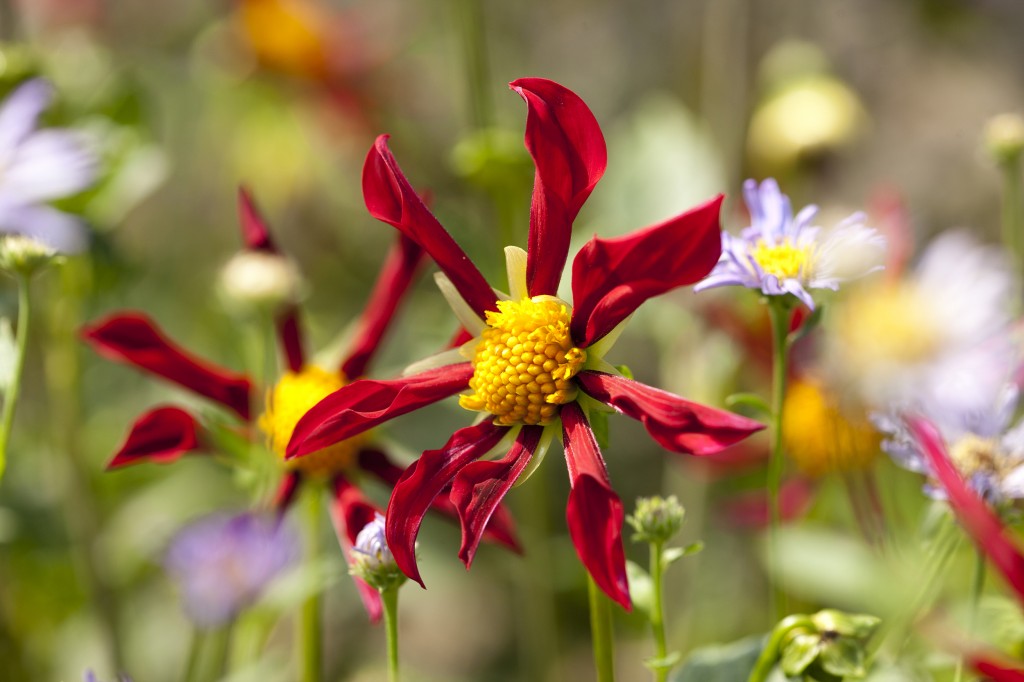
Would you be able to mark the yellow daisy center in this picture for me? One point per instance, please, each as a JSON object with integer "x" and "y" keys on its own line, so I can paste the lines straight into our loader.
{"x": 973, "y": 454}
{"x": 820, "y": 437}
{"x": 890, "y": 323}
{"x": 785, "y": 260}
{"x": 291, "y": 398}
{"x": 524, "y": 363}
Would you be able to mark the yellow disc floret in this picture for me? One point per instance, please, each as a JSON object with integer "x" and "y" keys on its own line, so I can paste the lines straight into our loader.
{"x": 524, "y": 363}
{"x": 291, "y": 398}
{"x": 785, "y": 260}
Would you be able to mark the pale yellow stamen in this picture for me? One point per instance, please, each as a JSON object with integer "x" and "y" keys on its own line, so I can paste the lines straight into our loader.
{"x": 524, "y": 363}
{"x": 973, "y": 454}
{"x": 291, "y": 398}
{"x": 785, "y": 260}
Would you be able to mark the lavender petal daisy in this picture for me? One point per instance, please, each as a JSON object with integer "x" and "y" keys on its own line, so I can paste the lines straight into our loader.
{"x": 780, "y": 254}
{"x": 40, "y": 165}
{"x": 223, "y": 563}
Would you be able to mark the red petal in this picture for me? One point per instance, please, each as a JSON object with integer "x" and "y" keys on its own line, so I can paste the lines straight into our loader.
{"x": 751, "y": 509}
{"x": 366, "y": 403}
{"x": 395, "y": 277}
{"x": 568, "y": 149}
{"x": 289, "y": 334}
{"x": 500, "y": 529}
{"x": 594, "y": 512}
{"x": 998, "y": 672}
{"x": 161, "y": 435}
{"x": 676, "y": 424}
{"x": 391, "y": 199}
{"x": 350, "y": 512}
{"x": 461, "y": 336}
{"x": 135, "y": 339}
{"x": 286, "y": 491}
{"x": 254, "y": 228}
{"x": 974, "y": 514}
{"x": 612, "y": 277}
{"x": 480, "y": 486}
{"x": 424, "y": 480}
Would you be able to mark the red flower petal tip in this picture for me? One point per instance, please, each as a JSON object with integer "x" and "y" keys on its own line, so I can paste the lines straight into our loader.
{"x": 161, "y": 435}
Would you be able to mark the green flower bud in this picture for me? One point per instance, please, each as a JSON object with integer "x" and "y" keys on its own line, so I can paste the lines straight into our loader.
{"x": 372, "y": 559}
{"x": 828, "y": 646}
{"x": 1004, "y": 137}
{"x": 21, "y": 255}
{"x": 656, "y": 519}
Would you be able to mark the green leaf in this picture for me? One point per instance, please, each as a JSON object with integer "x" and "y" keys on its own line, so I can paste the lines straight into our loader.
{"x": 665, "y": 663}
{"x": 844, "y": 657}
{"x": 674, "y": 554}
{"x": 751, "y": 400}
{"x": 625, "y": 371}
{"x": 800, "y": 653}
{"x": 641, "y": 588}
{"x": 728, "y": 663}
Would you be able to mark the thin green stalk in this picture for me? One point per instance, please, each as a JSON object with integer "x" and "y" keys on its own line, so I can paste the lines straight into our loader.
{"x": 310, "y": 619}
{"x": 11, "y": 395}
{"x": 195, "y": 654}
{"x": 771, "y": 651}
{"x": 1013, "y": 209}
{"x": 208, "y": 655}
{"x": 778, "y": 312}
{"x": 389, "y": 598}
{"x": 474, "y": 43}
{"x": 601, "y": 632}
{"x": 657, "y": 609}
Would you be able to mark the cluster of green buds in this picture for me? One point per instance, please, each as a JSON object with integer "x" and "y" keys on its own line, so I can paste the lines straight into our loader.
{"x": 656, "y": 519}
{"x": 24, "y": 256}
{"x": 828, "y": 646}
{"x": 372, "y": 560}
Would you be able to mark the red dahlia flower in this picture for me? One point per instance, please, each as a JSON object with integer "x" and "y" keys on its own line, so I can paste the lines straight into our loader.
{"x": 166, "y": 433}
{"x": 535, "y": 367}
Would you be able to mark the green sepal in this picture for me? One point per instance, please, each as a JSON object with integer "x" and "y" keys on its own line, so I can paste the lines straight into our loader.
{"x": 844, "y": 658}
{"x": 665, "y": 663}
{"x": 625, "y": 371}
{"x": 800, "y": 653}
{"x": 751, "y": 400}
{"x": 674, "y": 554}
{"x": 599, "y": 425}
{"x": 641, "y": 588}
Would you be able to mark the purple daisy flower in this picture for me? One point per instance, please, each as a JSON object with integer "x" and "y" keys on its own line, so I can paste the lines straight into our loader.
{"x": 40, "y": 165}
{"x": 780, "y": 253}
{"x": 223, "y": 563}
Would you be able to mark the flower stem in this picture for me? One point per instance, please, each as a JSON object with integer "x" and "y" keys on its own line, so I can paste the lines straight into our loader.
{"x": 1013, "y": 209}
{"x": 310, "y": 620}
{"x": 475, "y": 56}
{"x": 11, "y": 395}
{"x": 389, "y": 598}
{"x": 778, "y": 312}
{"x": 657, "y": 610}
{"x": 770, "y": 653}
{"x": 601, "y": 632}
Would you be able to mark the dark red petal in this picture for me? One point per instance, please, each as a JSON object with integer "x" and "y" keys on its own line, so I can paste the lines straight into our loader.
{"x": 350, "y": 512}
{"x": 286, "y": 491}
{"x": 254, "y": 228}
{"x": 676, "y": 424}
{"x": 366, "y": 403}
{"x": 568, "y": 149}
{"x": 134, "y": 338}
{"x": 997, "y": 672}
{"x": 289, "y": 334}
{"x": 480, "y": 487}
{"x": 612, "y": 277}
{"x": 395, "y": 277}
{"x": 500, "y": 529}
{"x": 594, "y": 512}
{"x": 424, "y": 480}
{"x": 391, "y": 199}
{"x": 980, "y": 523}
{"x": 751, "y": 509}
{"x": 161, "y": 435}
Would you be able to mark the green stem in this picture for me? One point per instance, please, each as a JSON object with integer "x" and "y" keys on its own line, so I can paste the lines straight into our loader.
{"x": 389, "y": 598}
{"x": 1013, "y": 209}
{"x": 207, "y": 658}
{"x": 195, "y": 655}
{"x": 778, "y": 312}
{"x": 310, "y": 618}
{"x": 475, "y": 58}
{"x": 11, "y": 396}
{"x": 771, "y": 651}
{"x": 657, "y": 609}
{"x": 601, "y": 632}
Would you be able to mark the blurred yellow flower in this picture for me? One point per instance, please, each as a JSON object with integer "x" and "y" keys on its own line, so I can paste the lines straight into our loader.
{"x": 821, "y": 436}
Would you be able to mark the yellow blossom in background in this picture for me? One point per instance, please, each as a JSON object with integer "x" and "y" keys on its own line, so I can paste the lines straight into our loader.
{"x": 821, "y": 436}
{"x": 285, "y": 35}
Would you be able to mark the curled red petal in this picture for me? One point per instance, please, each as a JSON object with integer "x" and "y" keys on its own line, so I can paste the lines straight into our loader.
{"x": 391, "y": 199}
{"x": 350, "y": 512}
{"x": 133, "y": 338}
{"x": 161, "y": 435}
{"x": 479, "y": 488}
{"x": 366, "y": 403}
{"x": 676, "y": 424}
{"x": 500, "y": 529}
{"x": 254, "y": 228}
{"x": 594, "y": 512}
{"x": 289, "y": 334}
{"x": 977, "y": 519}
{"x": 396, "y": 275}
{"x": 568, "y": 149}
{"x": 612, "y": 277}
{"x": 997, "y": 672}
{"x": 423, "y": 481}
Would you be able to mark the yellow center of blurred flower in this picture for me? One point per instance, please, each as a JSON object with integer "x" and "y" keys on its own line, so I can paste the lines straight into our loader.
{"x": 285, "y": 34}
{"x": 785, "y": 260}
{"x": 291, "y": 398}
{"x": 820, "y": 437}
{"x": 524, "y": 363}
{"x": 889, "y": 323}
{"x": 973, "y": 454}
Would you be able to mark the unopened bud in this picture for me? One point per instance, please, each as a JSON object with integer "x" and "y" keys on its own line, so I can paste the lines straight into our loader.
{"x": 656, "y": 519}
{"x": 372, "y": 560}
{"x": 260, "y": 279}
{"x": 828, "y": 646}
{"x": 1004, "y": 137}
{"x": 23, "y": 255}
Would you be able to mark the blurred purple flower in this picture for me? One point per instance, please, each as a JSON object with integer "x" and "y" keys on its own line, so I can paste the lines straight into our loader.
{"x": 40, "y": 165}
{"x": 90, "y": 676}
{"x": 781, "y": 254}
{"x": 222, "y": 563}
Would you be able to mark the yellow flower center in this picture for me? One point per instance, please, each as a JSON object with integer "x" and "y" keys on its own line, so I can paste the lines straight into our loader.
{"x": 820, "y": 437}
{"x": 973, "y": 454}
{"x": 291, "y": 398}
{"x": 785, "y": 260}
{"x": 890, "y": 323}
{"x": 524, "y": 363}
